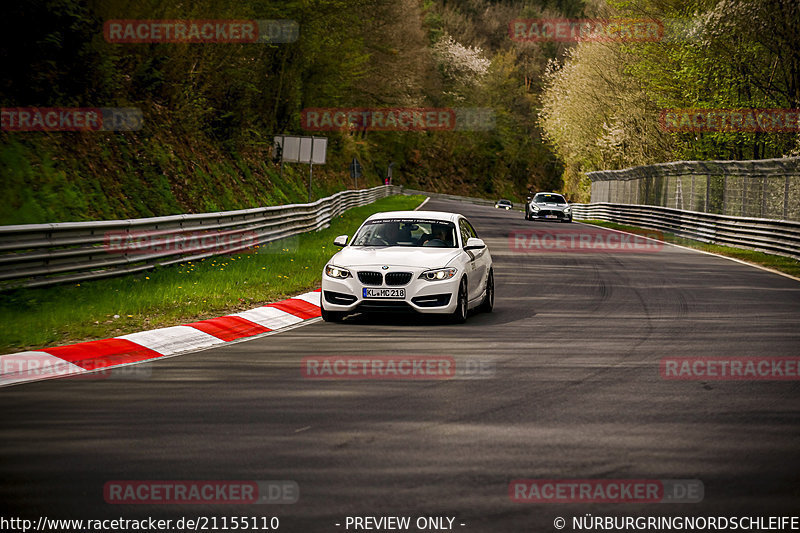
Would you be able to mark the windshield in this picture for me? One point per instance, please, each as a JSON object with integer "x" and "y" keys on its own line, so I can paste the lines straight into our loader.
{"x": 549, "y": 198}
{"x": 406, "y": 232}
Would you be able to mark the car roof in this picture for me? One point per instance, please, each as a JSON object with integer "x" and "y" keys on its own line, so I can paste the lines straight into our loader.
{"x": 556, "y": 193}
{"x": 427, "y": 215}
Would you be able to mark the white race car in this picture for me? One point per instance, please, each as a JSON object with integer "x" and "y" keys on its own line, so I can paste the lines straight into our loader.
{"x": 423, "y": 261}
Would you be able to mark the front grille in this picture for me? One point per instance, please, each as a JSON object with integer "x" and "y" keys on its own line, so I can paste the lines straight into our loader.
{"x": 544, "y": 212}
{"x": 339, "y": 298}
{"x": 398, "y": 278}
{"x": 370, "y": 278}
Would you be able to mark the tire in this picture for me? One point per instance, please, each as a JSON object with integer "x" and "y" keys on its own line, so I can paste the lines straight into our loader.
{"x": 459, "y": 316}
{"x": 488, "y": 300}
{"x": 331, "y": 316}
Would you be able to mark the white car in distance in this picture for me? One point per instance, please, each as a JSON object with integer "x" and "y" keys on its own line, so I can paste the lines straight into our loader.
{"x": 416, "y": 261}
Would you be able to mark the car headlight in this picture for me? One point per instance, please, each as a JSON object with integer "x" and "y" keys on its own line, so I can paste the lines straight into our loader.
{"x": 567, "y": 209}
{"x": 438, "y": 274}
{"x": 337, "y": 272}
{"x": 534, "y": 207}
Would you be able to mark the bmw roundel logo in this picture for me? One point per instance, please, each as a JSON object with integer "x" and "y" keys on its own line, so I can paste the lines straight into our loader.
{"x": 385, "y": 267}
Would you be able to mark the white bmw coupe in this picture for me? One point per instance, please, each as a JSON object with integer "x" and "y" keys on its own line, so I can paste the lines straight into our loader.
{"x": 418, "y": 261}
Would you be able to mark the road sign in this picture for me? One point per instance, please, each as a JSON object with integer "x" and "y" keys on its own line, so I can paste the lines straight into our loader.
{"x": 294, "y": 149}
{"x": 355, "y": 169}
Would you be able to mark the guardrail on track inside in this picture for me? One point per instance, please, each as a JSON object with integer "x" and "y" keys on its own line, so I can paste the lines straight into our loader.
{"x": 764, "y": 188}
{"x": 779, "y": 237}
{"x": 37, "y": 255}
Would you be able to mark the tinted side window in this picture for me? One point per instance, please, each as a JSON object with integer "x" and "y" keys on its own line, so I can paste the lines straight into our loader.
{"x": 465, "y": 234}
{"x": 472, "y": 232}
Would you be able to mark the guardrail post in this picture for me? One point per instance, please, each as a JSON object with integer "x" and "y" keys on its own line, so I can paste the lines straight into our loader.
{"x": 724, "y": 193}
{"x": 786, "y": 199}
{"x": 744, "y": 194}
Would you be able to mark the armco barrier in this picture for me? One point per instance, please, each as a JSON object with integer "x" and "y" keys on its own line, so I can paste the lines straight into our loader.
{"x": 37, "y": 255}
{"x": 764, "y": 188}
{"x": 780, "y": 237}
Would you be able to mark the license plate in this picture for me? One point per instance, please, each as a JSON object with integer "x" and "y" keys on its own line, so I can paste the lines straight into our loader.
{"x": 550, "y": 216}
{"x": 384, "y": 293}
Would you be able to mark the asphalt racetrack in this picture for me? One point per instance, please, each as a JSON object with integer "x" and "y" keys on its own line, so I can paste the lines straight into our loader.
{"x": 573, "y": 389}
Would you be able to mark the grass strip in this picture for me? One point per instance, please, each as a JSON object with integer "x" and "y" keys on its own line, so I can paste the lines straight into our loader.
{"x": 181, "y": 293}
{"x": 780, "y": 263}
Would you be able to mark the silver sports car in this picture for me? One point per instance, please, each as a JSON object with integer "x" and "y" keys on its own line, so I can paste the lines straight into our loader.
{"x": 548, "y": 206}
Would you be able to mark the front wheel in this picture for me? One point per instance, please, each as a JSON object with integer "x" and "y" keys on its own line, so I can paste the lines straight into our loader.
{"x": 459, "y": 316}
{"x": 331, "y": 316}
{"x": 488, "y": 300}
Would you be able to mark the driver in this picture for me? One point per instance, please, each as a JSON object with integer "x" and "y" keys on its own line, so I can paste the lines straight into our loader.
{"x": 390, "y": 232}
{"x": 438, "y": 232}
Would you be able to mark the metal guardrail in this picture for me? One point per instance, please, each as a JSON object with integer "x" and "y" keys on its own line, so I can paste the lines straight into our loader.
{"x": 37, "y": 255}
{"x": 779, "y": 237}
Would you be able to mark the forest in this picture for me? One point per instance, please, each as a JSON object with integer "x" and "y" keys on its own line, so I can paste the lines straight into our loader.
{"x": 559, "y": 108}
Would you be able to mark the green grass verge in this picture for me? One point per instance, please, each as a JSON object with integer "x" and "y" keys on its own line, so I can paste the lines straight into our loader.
{"x": 776, "y": 262}
{"x": 50, "y": 316}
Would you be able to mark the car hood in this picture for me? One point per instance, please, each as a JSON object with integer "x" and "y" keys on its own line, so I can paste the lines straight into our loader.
{"x": 405, "y": 256}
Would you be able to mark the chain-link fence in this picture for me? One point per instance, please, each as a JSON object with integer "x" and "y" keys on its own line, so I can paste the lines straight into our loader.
{"x": 768, "y": 188}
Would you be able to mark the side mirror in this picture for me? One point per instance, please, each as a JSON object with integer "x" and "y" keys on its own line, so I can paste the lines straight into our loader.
{"x": 341, "y": 240}
{"x": 474, "y": 244}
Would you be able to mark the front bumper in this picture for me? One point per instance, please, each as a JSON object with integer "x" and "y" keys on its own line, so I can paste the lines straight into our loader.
{"x": 421, "y": 296}
{"x": 550, "y": 214}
